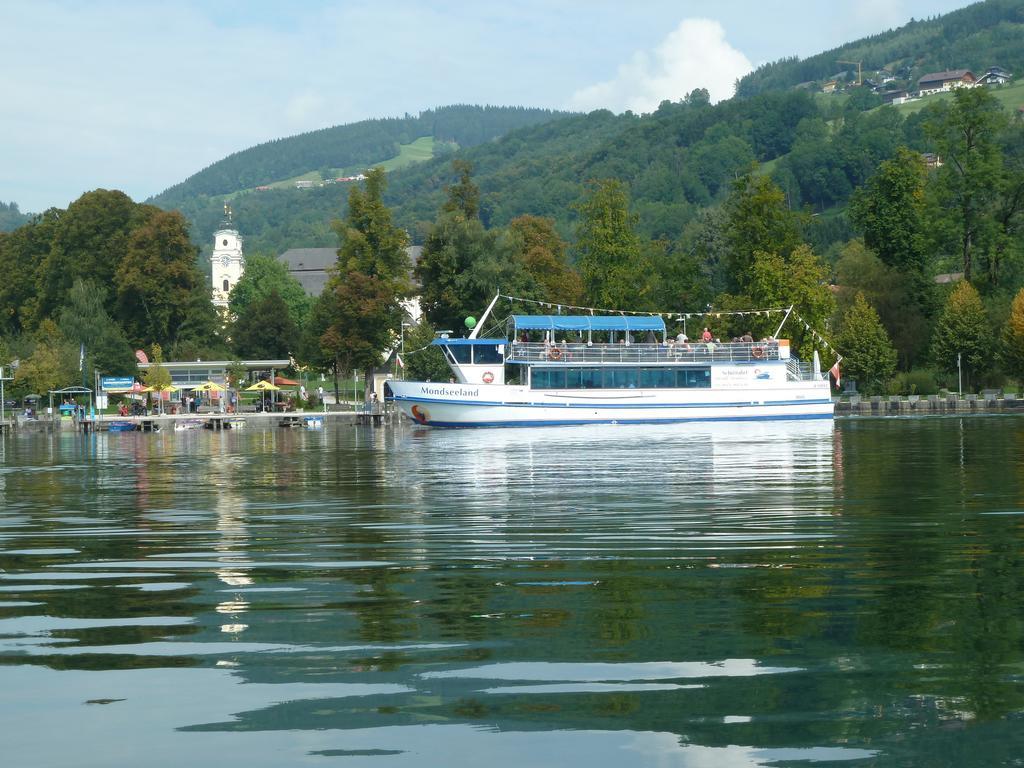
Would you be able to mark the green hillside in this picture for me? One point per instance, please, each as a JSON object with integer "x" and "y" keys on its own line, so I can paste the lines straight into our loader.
{"x": 979, "y": 36}
{"x": 354, "y": 146}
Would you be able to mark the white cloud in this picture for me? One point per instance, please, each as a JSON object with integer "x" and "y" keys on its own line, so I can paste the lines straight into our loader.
{"x": 694, "y": 55}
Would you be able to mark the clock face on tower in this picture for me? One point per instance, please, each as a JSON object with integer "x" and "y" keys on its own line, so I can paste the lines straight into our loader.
{"x": 224, "y": 261}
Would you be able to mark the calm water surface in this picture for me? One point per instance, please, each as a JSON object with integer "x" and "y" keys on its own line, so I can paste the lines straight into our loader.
{"x": 783, "y": 594}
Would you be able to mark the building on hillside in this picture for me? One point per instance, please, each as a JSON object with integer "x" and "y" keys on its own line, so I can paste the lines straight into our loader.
{"x": 309, "y": 265}
{"x": 931, "y": 160}
{"x": 995, "y": 76}
{"x": 948, "y": 278}
{"x": 830, "y": 86}
{"x": 896, "y": 97}
{"x": 937, "y": 82}
{"x": 227, "y": 263}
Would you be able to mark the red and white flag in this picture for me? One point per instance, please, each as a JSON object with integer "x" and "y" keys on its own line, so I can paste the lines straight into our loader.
{"x": 834, "y": 370}
{"x": 398, "y": 359}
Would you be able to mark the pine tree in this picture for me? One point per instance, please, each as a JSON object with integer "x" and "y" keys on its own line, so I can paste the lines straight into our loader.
{"x": 869, "y": 357}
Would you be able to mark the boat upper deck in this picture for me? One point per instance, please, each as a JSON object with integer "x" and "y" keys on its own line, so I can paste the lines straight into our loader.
{"x": 598, "y": 354}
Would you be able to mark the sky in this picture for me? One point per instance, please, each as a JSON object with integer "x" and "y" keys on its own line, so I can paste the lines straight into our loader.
{"x": 137, "y": 95}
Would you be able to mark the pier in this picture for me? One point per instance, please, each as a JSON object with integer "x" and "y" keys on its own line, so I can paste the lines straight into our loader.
{"x": 212, "y": 421}
{"x": 989, "y": 401}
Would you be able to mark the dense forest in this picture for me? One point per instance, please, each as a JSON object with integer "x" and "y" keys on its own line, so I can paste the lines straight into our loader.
{"x": 979, "y": 36}
{"x": 11, "y": 217}
{"x": 350, "y": 147}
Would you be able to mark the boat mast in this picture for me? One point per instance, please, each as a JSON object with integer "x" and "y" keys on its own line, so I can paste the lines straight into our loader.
{"x": 480, "y": 322}
{"x": 784, "y": 319}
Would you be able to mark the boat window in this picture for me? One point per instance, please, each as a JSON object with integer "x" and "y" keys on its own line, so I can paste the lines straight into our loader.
{"x": 486, "y": 354}
{"x": 590, "y": 378}
{"x": 660, "y": 377}
{"x": 548, "y": 378}
{"x": 693, "y": 377}
{"x": 461, "y": 352}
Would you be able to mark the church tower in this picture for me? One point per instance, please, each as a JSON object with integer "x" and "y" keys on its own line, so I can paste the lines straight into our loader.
{"x": 227, "y": 262}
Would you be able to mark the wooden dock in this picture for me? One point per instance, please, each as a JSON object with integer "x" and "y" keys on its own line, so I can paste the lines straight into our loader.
{"x": 213, "y": 421}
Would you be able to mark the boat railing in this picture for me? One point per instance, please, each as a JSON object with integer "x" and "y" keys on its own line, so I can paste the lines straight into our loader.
{"x": 797, "y": 370}
{"x": 585, "y": 354}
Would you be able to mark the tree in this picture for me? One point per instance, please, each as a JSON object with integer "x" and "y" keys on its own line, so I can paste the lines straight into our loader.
{"x": 264, "y": 330}
{"x": 887, "y": 290}
{"x": 52, "y": 364}
{"x": 889, "y": 209}
{"x": 545, "y": 257}
{"x": 88, "y": 242}
{"x": 464, "y": 195}
{"x": 757, "y": 220}
{"x": 868, "y": 355}
{"x": 1013, "y": 338}
{"x": 800, "y": 280}
{"x": 423, "y": 361}
{"x": 156, "y": 278}
{"x": 370, "y": 242}
{"x": 963, "y": 329}
{"x": 360, "y": 311}
{"x": 611, "y": 261}
{"x": 84, "y": 322}
{"x": 265, "y": 275}
{"x": 965, "y": 137}
{"x": 157, "y": 376}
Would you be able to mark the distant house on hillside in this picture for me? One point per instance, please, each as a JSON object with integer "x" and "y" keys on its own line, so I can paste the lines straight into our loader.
{"x": 931, "y": 160}
{"x": 304, "y": 184}
{"x": 310, "y": 265}
{"x": 895, "y": 97}
{"x": 995, "y": 76}
{"x": 830, "y": 86}
{"x": 937, "y": 82}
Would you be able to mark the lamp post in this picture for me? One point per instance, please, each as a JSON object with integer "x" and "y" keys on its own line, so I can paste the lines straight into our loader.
{"x": 3, "y": 378}
{"x": 959, "y": 377}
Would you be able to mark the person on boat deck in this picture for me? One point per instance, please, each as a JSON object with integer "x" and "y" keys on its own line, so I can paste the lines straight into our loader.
{"x": 706, "y": 336}
{"x": 524, "y": 337}
{"x": 747, "y": 338}
{"x": 650, "y": 338}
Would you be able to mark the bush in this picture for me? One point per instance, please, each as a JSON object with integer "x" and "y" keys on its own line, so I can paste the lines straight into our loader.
{"x": 919, "y": 381}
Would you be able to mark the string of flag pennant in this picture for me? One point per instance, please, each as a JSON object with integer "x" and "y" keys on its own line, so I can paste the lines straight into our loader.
{"x": 667, "y": 315}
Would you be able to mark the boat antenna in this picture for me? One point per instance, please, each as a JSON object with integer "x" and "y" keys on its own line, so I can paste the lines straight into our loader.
{"x": 480, "y": 322}
{"x": 784, "y": 319}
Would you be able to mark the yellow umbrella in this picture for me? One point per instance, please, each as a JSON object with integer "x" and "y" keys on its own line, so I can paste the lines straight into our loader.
{"x": 261, "y": 386}
{"x": 208, "y": 386}
{"x": 168, "y": 388}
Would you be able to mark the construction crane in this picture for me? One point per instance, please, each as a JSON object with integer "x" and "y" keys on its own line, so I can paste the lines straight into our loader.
{"x": 841, "y": 61}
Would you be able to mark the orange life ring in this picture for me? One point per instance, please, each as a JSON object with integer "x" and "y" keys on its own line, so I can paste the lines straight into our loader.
{"x": 554, "y": 353}
{"x": 757, "y": 352}
{"x": 488, "y": 377}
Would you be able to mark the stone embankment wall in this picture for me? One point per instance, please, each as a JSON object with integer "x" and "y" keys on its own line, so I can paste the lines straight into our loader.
{"x": 987, "y": 402}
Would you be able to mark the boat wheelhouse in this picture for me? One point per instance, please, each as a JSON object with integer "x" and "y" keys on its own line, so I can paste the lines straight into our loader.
{"x": 584, "y": 369}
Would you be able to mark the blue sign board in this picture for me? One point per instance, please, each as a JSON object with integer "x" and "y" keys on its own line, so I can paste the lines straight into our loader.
{"x": 110, "y": 383}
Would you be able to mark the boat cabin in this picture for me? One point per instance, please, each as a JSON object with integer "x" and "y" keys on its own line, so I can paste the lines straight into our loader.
{"x": 608, "y": 352}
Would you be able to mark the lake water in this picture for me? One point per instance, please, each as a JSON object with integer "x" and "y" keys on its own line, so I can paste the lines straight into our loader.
{"x": 755, "y": 594}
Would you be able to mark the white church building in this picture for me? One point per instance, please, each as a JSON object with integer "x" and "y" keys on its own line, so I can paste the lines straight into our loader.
{"x": 227, "y": 262}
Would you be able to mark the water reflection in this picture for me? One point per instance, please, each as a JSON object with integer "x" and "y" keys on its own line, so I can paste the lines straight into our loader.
{"x": 703, "y": 594}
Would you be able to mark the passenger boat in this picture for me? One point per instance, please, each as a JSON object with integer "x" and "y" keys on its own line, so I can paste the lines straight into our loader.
{"x": 534, "y": 377}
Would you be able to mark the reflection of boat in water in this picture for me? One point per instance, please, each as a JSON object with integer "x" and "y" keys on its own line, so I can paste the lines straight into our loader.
{"x": 182, "y": 426}
{"x": 604, "y": 376}
{"x": 122, "y": 426}
{"x": 313, "y": 422}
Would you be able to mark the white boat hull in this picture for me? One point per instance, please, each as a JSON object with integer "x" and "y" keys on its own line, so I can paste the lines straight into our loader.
{"x": 471, "y": 405}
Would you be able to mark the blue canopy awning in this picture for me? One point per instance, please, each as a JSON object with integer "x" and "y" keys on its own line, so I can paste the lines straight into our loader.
{"x": 589, "y": 323}
{"x": 442, "y": 342}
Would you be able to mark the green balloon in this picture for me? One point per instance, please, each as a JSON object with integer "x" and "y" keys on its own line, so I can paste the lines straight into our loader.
{"x": 471, "y": 322}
